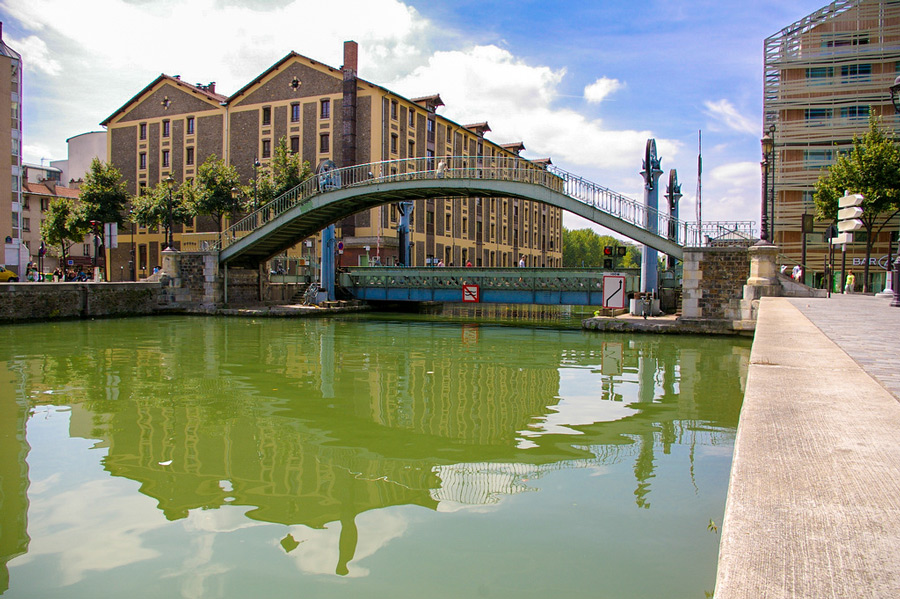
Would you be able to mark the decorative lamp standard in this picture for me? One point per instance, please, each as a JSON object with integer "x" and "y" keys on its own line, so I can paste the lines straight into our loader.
{"x": 768, "y": 164}
{"x": 895, "y": 285}
{"x": 256, "y": 165}
{"x": 170, "y": 183}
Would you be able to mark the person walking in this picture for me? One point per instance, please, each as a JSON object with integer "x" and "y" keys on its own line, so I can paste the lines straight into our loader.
{"x": 851, "y": 282}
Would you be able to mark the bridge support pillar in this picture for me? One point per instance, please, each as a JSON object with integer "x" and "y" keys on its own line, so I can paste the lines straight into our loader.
{"x": 406, "y": 209}
{"x": 651, "y": 174}
{"x": 328, "y": 269}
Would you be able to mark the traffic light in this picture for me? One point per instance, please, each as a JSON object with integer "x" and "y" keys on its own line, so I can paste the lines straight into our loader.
{"x": 621, "y": 250}
{"x": 608, "y": 250}
{"x": 607, "y": 263}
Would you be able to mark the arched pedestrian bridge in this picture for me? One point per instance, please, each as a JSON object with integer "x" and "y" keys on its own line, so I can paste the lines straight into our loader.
{"x": 327, "y": 198}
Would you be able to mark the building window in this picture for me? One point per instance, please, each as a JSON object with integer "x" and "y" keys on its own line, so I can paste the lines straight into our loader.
{"x": 817, "y": 158}
{"x": 142, "y": 131}
{"x": 816, "y": 117}
{"x": 819, "y": 75}
{"x": 429, "y": 127}
{"x": 430, "y": 162}
{"x": 266, "y": 116}
{"x": 266, "y": 148}
{"x": 851, "y": 73}
{"x": 142, "y": 161}
{"x": 295, "y": 144}
{"x": 190, "y": 125}
{"x": 26, "y": 224}
{"x": 860, "y": 113}
{"x": 165, "y": 157}
{"x": 394, "y": 142}
{"x": 45, "y": 204}
{"x": 412, "y": 149}
{"x": 325, "y": 109}
{"x": 412, "y": 117}
{"x": 165, "y": 132}
{"x": 295, "y": 112}
{"x": 324, "y": 143}
{"x": 189, "y": 156}
{"x": 449, "y": 136}
{"x": 394, "y": 110}
{"x": 448, "y": 223}
{"x": 85, "y": 249}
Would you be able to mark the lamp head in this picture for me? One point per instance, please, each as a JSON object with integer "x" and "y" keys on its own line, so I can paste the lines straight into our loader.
{"x": 895, "y": 94}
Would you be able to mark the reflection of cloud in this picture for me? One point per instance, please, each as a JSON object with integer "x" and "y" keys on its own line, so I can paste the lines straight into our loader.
{"x": 94, "y": 526}
{"x": 480, "y": 484}
{"x": 318, "y": 551}
{"x": 577, "y": 408}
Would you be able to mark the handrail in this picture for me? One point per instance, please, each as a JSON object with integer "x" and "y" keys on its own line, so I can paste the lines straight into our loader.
{"x": 485, "y": 167}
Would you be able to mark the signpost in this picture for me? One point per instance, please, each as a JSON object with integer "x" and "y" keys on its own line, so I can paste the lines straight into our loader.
{"x": 849, "y": 211}
{"x": 470, "y": 293}
{"x": 614, "y": 291}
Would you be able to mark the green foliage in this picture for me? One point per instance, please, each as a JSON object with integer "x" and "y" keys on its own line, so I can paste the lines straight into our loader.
{"x": 871, "y": 168}
{"x": 63, "y": 225}
{"x": 285, "y": 172}
{"x": 584, "y": 247}
{"x": 215, "y": 182}
{"x": 103, "y": 194}
{"x": 151, "y": 208}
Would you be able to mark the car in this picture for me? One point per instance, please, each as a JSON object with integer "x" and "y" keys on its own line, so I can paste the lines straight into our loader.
{"x": 7, "y": 276}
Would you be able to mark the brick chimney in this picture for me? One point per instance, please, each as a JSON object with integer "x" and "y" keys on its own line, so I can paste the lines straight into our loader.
{"x": 348, "y": 112}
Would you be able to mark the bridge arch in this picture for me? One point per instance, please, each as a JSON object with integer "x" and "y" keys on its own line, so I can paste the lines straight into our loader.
{"x": 327, "y": 198}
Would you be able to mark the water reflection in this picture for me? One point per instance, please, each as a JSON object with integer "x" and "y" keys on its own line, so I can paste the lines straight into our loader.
{"x": 312, "y": 424}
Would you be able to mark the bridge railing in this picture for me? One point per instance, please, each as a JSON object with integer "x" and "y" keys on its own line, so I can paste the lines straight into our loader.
{"x": 507, "y": 168}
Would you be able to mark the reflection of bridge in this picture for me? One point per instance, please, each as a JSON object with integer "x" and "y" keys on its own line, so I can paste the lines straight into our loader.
{"x": 566, "y": 286}
{"x": 327, "y": 198}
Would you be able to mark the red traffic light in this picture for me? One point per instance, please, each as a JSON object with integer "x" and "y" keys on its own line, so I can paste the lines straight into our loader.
{"x": 608, "y": 250}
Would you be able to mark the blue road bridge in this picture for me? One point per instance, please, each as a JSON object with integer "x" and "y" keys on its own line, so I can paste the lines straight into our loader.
{"x": 563, "y": 286}
{"x": 330, "y": 196}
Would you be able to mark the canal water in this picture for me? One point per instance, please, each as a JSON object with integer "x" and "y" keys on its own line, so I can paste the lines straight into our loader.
{"x": 361, "y": 457}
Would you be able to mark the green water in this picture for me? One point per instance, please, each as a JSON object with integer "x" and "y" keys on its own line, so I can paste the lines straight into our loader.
{"x": 210, "y": 457}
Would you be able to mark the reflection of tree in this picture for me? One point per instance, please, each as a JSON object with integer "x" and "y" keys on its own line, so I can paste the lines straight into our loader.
{"x": 316, "y": 422}
{"x": 13, "y": 470}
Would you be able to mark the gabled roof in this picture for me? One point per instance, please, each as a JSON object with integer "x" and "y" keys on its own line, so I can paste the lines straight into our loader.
{"x": 202, "y": 91}
{"x": 429, "y": 102}
{"x": 479, "y": 128}
{"x": 515, "y": 148}
{"x": 290, "y": 56}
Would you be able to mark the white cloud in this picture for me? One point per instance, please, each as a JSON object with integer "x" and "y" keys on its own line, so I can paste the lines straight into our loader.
{"x": 598, "y": 90}
{"x": 36, "y": 55}
{"x": 725, "y": 114}
{"x": 519, "y": 102}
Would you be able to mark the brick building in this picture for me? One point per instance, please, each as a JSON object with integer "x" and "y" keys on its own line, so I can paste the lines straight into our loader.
{"x": 171, "y": 127}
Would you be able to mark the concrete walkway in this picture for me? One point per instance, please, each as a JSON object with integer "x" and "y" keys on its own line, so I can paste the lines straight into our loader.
{"x": 813, "y": 504}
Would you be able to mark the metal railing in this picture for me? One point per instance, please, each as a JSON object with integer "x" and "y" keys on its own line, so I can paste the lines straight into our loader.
{"x": 503, "y": 168}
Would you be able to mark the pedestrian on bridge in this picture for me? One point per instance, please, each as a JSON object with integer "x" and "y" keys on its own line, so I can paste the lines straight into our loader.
{"x": 851, "y": 282}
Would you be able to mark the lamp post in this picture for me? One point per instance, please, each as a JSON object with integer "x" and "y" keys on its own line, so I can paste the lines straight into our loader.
{"x": 132, "y": 271}
{"x": 170, "y": 183}
{"x": 768, "y": 163}
{"x": 256, "y": 165}
{"x": 895, "y": 286}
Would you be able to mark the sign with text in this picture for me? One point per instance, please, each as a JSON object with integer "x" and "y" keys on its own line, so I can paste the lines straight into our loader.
{"x": 470, "y": 293}
{"x": 614, "y": 291}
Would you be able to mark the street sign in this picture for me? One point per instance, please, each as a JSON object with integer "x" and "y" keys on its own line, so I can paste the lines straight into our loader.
{"x": 842, "y": 239}
{"x": 470, "y": 293}
{"x": 850, "y": 225}
{"x": 614, "y": 291}
{"x": 850, "y": 199}
{"x": 851, "y": 212}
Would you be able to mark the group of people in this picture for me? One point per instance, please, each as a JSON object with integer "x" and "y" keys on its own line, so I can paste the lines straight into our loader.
{"x": 796, "y": 272}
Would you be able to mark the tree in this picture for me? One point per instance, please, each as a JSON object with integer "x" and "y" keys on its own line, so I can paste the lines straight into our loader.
{"x": 215, "y": 196}
{"x": 285, "y": 172}
{"x": 151, "y": 208}
{"x": 103, "y": 194}
{"x": 584, "y": 247}
{"x": 871, "y": 168}
{"x": 63, "y": 225}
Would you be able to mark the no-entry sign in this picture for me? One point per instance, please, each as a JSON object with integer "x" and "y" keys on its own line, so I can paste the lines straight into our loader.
{"x": 470, "y": 293}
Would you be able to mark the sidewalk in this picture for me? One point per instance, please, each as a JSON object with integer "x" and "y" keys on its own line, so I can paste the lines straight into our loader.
{"x": 813, "y": 505}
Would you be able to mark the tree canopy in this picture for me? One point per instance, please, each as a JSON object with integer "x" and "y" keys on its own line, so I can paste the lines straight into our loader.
{"x": 103, "y": 194}
{"x": 285, "y": 172}
{"x": 63, "y": 225}
{"x": 151, "y": 208}
{"x": 584, "y": 248}
{"x": 871, "y": 168}
{"x": 216, "y": 181}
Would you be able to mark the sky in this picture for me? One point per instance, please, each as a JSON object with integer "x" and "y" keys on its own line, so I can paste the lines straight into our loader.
{"x": 583, "y": 82}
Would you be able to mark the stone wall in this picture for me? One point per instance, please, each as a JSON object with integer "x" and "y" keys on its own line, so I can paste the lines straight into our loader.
{"x": 48, "y": 301}
{"x": 714, "y": 280}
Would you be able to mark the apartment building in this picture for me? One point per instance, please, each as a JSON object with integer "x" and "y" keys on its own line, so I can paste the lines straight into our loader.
{"x": 14, "y": 255}
{"x": 823, "y": 76}
{"x": 325, "y": 113}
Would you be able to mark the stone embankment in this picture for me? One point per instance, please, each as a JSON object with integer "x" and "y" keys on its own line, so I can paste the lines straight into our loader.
{"x": 23, "y": 302}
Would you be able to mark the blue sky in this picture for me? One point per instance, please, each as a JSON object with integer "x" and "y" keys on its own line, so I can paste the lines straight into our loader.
{"x": 585, "y": 83}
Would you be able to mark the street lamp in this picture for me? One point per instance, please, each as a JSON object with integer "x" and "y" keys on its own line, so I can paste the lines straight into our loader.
{"x": 170, "y": 183}
{"x": 256, "y": 165}
{"x": 895, "y": 284}
{"x": 768, "y": 151}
